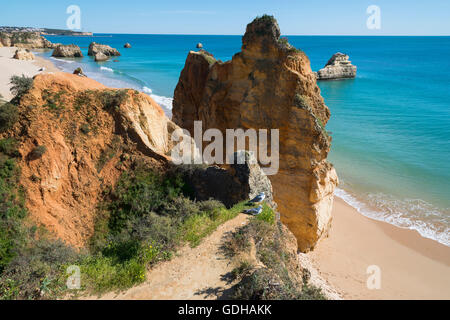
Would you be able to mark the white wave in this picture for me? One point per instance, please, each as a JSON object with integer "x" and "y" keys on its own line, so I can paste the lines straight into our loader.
{"x": 147, "y": 90}
{"x": 164, "y": 102}
{"x": 62, "y": 60}
{"x": 106, "y": 69}
{"x": 407, "y": 213}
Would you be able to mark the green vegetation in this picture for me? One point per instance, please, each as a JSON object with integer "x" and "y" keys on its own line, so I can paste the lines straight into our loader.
{"x": 38, "y": 152}
{"x": 54, "y": 101}
{"x": 9, "y": 115}
{"x": 265, "y": 18}
{"x": 20, "y": 85}
{"x": 326, "y": 133}
{"x": 277, "y": 279}
{"x": 141, "y": 221}
{"x": 31, "y": 266}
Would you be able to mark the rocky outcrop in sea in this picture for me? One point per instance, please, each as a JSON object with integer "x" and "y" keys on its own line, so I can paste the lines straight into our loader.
{"x": 269, "y": 85}
{"x": 67, "y": 51}
{"x": 338, "y": 67}
{"x": 95, "y": 48}
{"x": 100, "y": 56}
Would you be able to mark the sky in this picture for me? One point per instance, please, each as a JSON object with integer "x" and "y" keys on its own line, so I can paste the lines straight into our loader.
{"x": 295, "y": 17}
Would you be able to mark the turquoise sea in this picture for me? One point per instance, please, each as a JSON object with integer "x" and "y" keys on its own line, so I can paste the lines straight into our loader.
{"x": 390, "y": 125}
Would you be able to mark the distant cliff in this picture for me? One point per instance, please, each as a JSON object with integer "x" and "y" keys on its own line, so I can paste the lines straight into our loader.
{"x": 269, "y": 85}
{"x": 29, "y": 40}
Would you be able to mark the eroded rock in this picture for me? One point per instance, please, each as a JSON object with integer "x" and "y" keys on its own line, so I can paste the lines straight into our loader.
{"x": 67, "y": 51}
{"x": 338, "y": 67}
{"x": 95, "y": 48}
{"x": 23, "y": 54}
{"x": 269, "y": 85}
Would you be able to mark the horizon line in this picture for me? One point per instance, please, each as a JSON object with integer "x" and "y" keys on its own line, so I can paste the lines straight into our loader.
{"x": 283, "y": 35}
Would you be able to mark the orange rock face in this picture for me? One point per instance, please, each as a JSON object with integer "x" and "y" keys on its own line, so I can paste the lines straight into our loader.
{"x": 91, "y": 135}
{"x": 269, "y": 85}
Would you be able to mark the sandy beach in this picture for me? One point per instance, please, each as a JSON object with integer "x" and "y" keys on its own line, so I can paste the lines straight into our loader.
{"x": 10, "y": 67}
{"x": 412, "y": 267}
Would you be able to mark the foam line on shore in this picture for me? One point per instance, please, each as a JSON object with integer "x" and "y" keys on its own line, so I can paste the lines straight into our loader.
{"x": 397, "y": 218}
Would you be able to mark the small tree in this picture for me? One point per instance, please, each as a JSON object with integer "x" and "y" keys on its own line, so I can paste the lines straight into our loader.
{"x": 20, "y": 85}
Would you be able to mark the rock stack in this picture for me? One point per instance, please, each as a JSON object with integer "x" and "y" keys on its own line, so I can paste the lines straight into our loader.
{"x": 338, "y": 67}
{"x": 67, "y": 51}
{"x": 269, "y": 85}
{"x": 95, "y": 48}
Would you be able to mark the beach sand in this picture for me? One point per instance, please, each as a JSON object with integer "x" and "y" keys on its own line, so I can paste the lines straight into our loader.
{"x": 10, "y": 67}
{"x": 412, "y": 267}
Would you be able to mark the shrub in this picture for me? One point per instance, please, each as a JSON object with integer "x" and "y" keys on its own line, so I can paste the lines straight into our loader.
{"x": 8, "y": 147}
{"x": 85, "y": 128}
{"x": 273, "y": 280}
{"x": 37, "y": 152}
{"x": 267, "y": 214}
{"x": 37, "y": 271}
{"x": 20, "y": 85}
{"x": 9, "y": 115}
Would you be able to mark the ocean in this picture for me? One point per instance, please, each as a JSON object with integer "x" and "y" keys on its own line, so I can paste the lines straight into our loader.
{"x": 390, "y": 125}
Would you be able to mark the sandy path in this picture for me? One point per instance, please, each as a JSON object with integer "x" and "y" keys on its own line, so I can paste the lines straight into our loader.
{"x": 194, "y": 273}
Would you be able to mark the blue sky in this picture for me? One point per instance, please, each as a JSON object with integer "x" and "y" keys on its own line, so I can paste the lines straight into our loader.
{"x": 312, "y": 17}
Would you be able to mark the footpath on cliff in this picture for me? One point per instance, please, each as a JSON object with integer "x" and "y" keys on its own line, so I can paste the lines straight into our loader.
{"x": 196, "y": 273}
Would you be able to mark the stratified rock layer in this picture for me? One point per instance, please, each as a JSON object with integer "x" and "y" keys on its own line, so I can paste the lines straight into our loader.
{"x": 269, "y": 85}
{"x": 338, "y": 67}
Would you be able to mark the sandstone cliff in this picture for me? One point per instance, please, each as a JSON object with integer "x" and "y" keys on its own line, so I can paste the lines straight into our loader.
{"x": 76, "y": 137}
{"x": 269, "y": 85}
{"x": 29, "y": 40}
{"x": 338, "y": 67}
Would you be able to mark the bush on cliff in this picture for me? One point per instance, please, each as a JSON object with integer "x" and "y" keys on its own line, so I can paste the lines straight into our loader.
{"x": 274, "y": 279}
{"x": 142, "y": 221}
{"x": 9, "y": 115}
{"x": 20, "y": 85}
{"x": 31, "y": 265}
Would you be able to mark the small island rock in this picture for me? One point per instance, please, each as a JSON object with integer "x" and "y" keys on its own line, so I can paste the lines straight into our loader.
{"x": 95, "y": 48}
{"x": 100, "y": 56}
{"x": 127, "y": 45}
{"x": 338, "y": 67}
{"x": 67, "y": 51}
